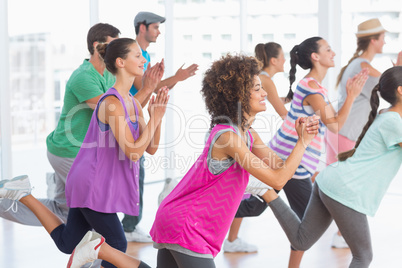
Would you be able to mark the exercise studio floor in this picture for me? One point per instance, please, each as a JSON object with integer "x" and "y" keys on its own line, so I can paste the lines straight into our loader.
{"x": 26, "y": 246}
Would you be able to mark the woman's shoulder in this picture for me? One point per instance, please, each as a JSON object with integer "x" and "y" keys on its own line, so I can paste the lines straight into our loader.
{"x": 226, "y": 130}
{"x": 266, "y": 82}
{"x": 372, "y": 71}
{"x": 112, "y": 101}
{"x": 387, "y": 122}
{"x": 355, "y": 67}
{"x": 310, "y": 85}
{"x": 389, "y": 117}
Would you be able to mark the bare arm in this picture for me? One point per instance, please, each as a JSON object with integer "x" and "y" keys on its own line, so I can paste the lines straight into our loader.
{"x": 111, "y": 112}
{"x": 335, "y": 121}
{"x": 265, "y": 153}
{"x": 153, "y": 105}
{"x": 276, "y": 176}
{"x": 181, "y": 75}
{"x": 371, "y": 70}
{"x": 272, "y": 95}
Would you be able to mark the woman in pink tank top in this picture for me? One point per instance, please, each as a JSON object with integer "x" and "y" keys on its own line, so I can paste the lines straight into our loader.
{"x": 192, "y": 221}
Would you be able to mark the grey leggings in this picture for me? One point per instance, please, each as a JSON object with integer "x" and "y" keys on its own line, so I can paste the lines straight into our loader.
{"x": 319, "y": 214}
{"x": 173, "y": 259}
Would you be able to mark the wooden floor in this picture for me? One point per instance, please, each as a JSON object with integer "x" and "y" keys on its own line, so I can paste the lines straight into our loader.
{"x": 26, "y": 246}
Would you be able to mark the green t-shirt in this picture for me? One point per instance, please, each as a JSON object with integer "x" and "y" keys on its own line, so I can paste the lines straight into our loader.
{"x": 85, "y": 83}
{"x": 362, "y": 180}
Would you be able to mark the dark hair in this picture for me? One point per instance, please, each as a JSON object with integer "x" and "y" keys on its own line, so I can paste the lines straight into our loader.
{"x": 118, "y": 48}
{"x": 389, "y": 82}
{"x": 301, "y": 55}
{"x": 362, "y": 45}
{"x": 265, "y": 52}
{"x": 226, "y": 88}
{"x": 137, "y": 27}
{"x": 99, "y": 33}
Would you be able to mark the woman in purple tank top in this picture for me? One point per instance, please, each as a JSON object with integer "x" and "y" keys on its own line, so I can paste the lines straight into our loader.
{"x": 103, "y": 179}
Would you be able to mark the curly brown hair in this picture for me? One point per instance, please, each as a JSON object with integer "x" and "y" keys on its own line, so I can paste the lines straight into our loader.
{"x": 226, "y": 88}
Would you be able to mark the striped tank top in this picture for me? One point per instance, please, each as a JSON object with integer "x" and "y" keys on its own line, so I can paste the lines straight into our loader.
{"x": 286, "y": 137}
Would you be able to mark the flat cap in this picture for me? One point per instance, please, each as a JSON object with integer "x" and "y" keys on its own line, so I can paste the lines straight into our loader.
{"x": 148, "y": 18}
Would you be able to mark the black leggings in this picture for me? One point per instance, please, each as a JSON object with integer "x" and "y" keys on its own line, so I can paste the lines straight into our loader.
{"x": 80, "y": 220}
{"x": 297, "y": 192}
{"x": 173, "y": 259}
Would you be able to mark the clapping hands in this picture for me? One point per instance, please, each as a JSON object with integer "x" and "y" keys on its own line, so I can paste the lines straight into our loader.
{"x": 153, "y": 76}
{"x": 157, "y": 104}
{"x": 355, "y": 84}
{"x": 307, "y": 128}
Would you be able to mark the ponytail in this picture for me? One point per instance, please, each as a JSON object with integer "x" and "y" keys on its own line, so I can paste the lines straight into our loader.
{"x": 374, "y": 102}
{"x": 301, "y": 55}
{"x": 294, "y": 59}
{"x": 109, "y": 52}
{"x": 339, "y": 78}
{"x": 101, "y": 48}
{"x": 265, "y": 52}
{"x": 260, "y": 54}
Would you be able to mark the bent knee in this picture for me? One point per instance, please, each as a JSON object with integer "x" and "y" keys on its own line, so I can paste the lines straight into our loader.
{"x": 300, "y": 246}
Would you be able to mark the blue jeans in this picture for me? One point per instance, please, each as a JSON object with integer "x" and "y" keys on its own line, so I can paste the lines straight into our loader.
{"x": 130, "y": 222}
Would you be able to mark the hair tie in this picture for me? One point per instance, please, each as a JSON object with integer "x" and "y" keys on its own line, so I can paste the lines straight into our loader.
{"x": 297, "y": 49}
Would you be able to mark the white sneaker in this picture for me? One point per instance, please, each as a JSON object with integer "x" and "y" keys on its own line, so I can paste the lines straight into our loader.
{"x": 138, "y": 236}
{"x": 256, "y": 187}
{"x": 87, "y": 250}
{"x": 339, "y": 242}
{"x": 238, "y": 245}
{"x": 15, "y": 189}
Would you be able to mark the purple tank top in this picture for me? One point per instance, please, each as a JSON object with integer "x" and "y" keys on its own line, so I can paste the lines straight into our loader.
{"x": 198, "y": 212}
{"x": 102, "y": 178}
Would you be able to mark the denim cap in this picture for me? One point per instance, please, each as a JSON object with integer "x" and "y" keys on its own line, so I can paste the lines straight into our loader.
{"x": 147, "y": 18}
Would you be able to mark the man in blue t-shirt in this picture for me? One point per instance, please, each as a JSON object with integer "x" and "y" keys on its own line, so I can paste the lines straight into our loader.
{"x": 146, "y": 26}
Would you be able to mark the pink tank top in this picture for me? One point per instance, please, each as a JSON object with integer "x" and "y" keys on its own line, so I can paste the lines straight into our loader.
{"x": 198, "y": 212}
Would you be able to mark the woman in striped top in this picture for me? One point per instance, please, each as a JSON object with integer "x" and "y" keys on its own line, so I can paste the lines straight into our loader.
{"x": 310, "y": 97}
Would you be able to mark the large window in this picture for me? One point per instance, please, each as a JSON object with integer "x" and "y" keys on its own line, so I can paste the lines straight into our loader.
{"x": 47, "y": 41}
